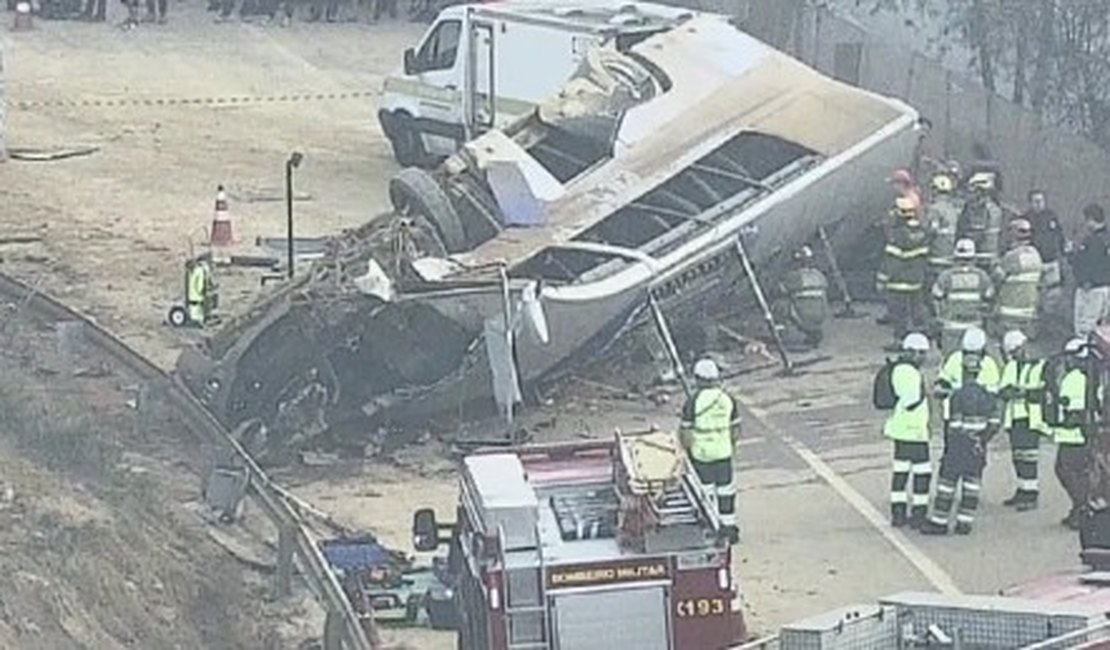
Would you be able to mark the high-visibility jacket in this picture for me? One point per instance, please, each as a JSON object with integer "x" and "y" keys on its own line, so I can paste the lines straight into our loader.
{"x": 909, "y": 420}
{"x": 961, "y": 294}
{"x": 807, "y": 289}
{"x": 905, "y": 258}
{"x": 197, "y": 285}
{"x": 1073, "y": 389}
{"x": 981, "y": 222}
{"x": 951, "y": 377}
{"x": 713, "y": 416}
{"x": 940, "y": 218}
{"x": 1018, "y": 275}
{"x": 1025, "y": 378}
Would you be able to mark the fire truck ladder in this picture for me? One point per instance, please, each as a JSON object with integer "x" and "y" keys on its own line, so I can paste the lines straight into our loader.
{"x": 526, "y": 614}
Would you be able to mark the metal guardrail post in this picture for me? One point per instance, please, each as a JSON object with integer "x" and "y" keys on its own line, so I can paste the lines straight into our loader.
{"x": 283, "y": 578}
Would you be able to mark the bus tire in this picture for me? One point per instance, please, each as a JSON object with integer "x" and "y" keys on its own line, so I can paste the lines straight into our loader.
{"x": 408, "y": 147}
{"x": 415, "y": 193}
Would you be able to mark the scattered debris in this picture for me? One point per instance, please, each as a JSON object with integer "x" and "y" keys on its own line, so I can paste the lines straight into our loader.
{"x": 34, "y": 154}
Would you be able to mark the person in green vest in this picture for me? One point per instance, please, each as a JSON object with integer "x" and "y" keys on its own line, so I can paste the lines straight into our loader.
{"x": 804, "y": 307}
{"x": 197, "y": 285}
{"x": 908, "y": 427}
{"x": 1069, "y": 433}
{"x": 1022, "y": 390}
{"x": 710, "y": 424}
{"x": 953, "y": 372}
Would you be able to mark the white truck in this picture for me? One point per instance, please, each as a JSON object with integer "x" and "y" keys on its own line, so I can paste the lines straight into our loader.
{"x": 518, "y": 52}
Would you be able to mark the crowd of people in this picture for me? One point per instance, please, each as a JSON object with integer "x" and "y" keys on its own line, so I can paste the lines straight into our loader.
{"x": 959, "y": 273}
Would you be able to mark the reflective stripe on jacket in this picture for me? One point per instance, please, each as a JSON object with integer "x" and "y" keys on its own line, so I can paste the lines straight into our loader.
{"x": 1027, "y": 376}
{"x": 905, "y": 258}
{"x": 961, "y": 294}
{"x": 712, "y": 434}
{"x": 1019, "y": 277}
{"x": 1073, "y": 387}
{"x": 197, "y": 285}
{"x": 909, "y": 421}
{"x": 807, "y": 289}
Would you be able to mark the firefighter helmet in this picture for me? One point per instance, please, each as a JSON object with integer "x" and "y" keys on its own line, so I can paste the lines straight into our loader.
{"x": 901, "y": 177}
{"x": 707, "y": 370}
{"x": 1013, "y": 340}
{"x": 981, "y": 181}
{"x": 1021, "y": 229}
{"x": 942, "y": 184}
{"x": 915, "y": 342}
{"x": 965, "y": 249}
{"x": 974, "y": 340}
{"x": 1076, "y": 347}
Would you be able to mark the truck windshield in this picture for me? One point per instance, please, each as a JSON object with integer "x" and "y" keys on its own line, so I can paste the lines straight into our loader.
{"x": 441, "y": 48}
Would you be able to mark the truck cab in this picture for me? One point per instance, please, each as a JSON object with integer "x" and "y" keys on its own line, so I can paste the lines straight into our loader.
{"x": 480, "y": 66}
{"x": 586, "y": 546}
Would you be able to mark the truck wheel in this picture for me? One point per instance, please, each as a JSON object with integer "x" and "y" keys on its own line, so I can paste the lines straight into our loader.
{"x": 415, "y": 193}
{"x": 408, "y": 147}
{"x": 177, "y": 316}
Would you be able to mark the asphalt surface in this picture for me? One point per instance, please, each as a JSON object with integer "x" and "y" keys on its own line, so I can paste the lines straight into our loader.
{"x": 814, "y": 471}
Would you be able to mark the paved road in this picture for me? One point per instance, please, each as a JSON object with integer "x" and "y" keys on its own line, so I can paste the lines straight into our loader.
{"x": 813, "y": 538}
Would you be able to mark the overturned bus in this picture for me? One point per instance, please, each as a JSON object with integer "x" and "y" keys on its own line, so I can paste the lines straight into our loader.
{"x": 539, "y": 243}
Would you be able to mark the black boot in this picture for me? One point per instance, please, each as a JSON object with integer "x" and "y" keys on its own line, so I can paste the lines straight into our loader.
{"x": 1027, "y": 502}
{"x": 963, "y": 528}
{"x": 1072, "y": 520}
{"x": 1013, "y": 500}
{"x": 898, "y": 516}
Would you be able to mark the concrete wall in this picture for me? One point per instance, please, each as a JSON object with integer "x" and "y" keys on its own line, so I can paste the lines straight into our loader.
{"x": 1071, "y": 168}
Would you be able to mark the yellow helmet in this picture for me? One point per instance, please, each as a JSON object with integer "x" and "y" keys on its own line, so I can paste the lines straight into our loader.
{"x": 905, "y": 207}
{"x": 942, "y": 183}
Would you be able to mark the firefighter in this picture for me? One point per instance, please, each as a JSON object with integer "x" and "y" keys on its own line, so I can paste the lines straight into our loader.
{"x": 961, "y": 295}
{"x": 981, "y": 219}
{"x": 198, "y": 286}
{"x": 1070, "y": 405}
{"x": 902, "y": 274}
{"x": 710, "y": 421}
{"x": 805, "y": 306}
{"x": 1091, "y": 268}
{"x": 941, "y": 216}
{"x": 971, "y": 419}
{"x": 954, "y": 374}
{"x": 1021, "y": 389}
{"x": 908, "y": 427}
{"x": 1018, "y": 278}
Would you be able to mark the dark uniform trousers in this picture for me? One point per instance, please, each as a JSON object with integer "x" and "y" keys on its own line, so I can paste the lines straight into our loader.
{"x": 1072, "y": 464}
{"x": 910, "y": 459}
{"x": 718, "y": 473}
{"x": 961, "y": 469}
{"x": 1025, "y": 453}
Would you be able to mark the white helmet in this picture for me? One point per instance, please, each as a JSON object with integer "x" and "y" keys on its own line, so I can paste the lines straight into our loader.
{"x": 1013, "y": 340}
{"x": 915, "y": 342}
{"x": 965, "y": 249}
{"x": 706, "y": 370}
{"x": 1076, "y": 347}
{"x": 974, "y": 340}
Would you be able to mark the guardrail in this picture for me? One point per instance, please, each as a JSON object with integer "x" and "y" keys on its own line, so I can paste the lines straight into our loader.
{"x": 342, "y": 627}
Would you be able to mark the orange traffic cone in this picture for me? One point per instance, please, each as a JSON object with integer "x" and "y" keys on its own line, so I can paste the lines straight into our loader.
{"x": 221, "y": 221}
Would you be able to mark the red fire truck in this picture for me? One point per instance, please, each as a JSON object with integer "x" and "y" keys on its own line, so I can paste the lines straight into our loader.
{"x": 586, "y": 546}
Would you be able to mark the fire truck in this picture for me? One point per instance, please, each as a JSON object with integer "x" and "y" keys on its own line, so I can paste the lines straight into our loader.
{"x": 586, "y": 546}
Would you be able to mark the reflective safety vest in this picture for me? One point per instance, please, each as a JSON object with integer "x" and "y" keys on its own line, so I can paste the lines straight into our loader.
{"x": 952, "y": 374}
{"x": 1073, "y": 386}
{"x": 981, "y": 222}
{"x": 808, "y": 291}
{"x": 1019, "y": 276}
{"x": 941, "y": 217}
{"x": 712, "y": 432}
{"x": 905, "y": 258}
{"x": 961, "y": 294}
{"x": 909, "y": 420}
{"x": 1027, "y": 376}
{"x": 197, "y": 285}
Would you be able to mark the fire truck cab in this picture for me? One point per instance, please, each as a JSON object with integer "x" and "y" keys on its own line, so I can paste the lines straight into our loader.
{"x": 587, "y": 546}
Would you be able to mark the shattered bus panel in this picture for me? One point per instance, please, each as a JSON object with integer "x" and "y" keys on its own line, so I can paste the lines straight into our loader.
{"x": 637, "y": 177}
